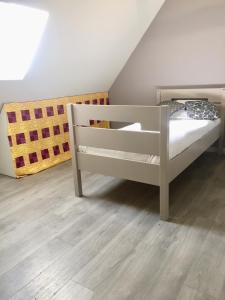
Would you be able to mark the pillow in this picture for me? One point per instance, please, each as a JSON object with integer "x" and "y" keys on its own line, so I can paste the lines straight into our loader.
{"x": 173, "y": 106}
{"x": 202, "y": 110}
{"x": 180, "y": 115}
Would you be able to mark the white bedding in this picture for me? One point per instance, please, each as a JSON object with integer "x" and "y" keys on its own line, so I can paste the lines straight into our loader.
{"x": 183, "y": 133}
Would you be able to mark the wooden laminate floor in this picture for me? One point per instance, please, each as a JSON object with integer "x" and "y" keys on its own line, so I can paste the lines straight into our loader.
{"x": 111, "y": 245}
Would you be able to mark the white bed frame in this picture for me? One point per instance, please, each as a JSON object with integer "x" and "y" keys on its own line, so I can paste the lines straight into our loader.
{"x": 156, "y": 142}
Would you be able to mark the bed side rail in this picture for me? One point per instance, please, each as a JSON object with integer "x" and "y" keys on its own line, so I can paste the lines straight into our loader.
{"x": 143, "y": 142}
{"x": 153, "y": 142}
{"x": 147, "y": 115}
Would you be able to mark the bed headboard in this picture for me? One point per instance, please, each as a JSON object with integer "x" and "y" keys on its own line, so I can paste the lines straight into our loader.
{"x": 212, "y": 94}
{"x": 215, "y": 95}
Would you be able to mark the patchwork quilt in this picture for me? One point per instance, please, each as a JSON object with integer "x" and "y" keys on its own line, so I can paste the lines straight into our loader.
{"x": 38, "y": 131}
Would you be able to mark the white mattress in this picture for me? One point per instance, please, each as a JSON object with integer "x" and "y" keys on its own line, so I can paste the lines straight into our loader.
{"x": 183, "y": 133}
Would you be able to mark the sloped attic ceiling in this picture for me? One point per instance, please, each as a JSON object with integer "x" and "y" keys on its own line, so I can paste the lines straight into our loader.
{"x": 84, "y": 47}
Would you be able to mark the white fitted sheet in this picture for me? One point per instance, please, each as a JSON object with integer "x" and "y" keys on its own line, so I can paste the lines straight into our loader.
{"x": 183, "y": 133}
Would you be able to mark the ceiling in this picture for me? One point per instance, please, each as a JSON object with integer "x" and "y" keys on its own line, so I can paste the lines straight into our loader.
{"x": 85, "y": 46}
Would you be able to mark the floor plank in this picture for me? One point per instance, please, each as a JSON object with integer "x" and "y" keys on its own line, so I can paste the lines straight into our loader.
{"x": 187, "y": 293}
{"x": 110, "y": 244}
{"x": 19, "y": 276}
{"x": 72, "y": 291}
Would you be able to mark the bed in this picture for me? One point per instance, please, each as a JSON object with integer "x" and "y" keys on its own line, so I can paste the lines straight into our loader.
{"x": 152, "y": 149}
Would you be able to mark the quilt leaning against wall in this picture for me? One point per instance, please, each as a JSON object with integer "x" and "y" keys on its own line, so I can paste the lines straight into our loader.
{"x": 38, "y": 131}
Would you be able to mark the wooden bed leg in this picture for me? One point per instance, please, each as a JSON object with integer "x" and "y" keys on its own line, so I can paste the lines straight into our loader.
{"x": 220, "y": 147}
{"x": 78, "y": 183}
{"x": 221, "y": 140}
{"x": 73, "y": 147}
{"x": 164, "y": 164}
{"x": 222, "y": 131}
{"x": 164, "y": 202}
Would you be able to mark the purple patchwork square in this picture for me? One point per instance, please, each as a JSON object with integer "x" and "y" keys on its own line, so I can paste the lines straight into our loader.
{"x": 25, "y": 115}
{"x": 10, "y": 141}
{"x": 66, "y": 127}
{"x": 45, "y": 154}
{"x": 60, "y": 109}
{"x": 33, "y": 157}
{"x": 87, "y": 102}
{"x": 11, "y": 117}
{"x": 56, "y": 150}
{"x": 56, "y": 130}
{"x": 95, "y": 101}
{"x": 38, "y": 113}
{"x": 20, "y": 138}
{"x": 33, "y": 135}
{"x": 45, "y": 133}
{"x": 20, "y": 162}
{"x": 50, "y": 111}
{"x": 66, "y": 147}
{"x": 102, "y": 101}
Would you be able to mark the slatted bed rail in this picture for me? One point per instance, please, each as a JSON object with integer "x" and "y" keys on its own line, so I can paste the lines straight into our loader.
{"x": 154, "y": 140}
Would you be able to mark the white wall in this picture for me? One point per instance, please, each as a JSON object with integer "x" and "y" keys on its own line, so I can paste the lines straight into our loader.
{"x": 85, "y": 46}
{"x": 184, "y": 46}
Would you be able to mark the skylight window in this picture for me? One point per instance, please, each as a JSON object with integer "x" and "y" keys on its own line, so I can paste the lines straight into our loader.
{"x": 21, "y": 29}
